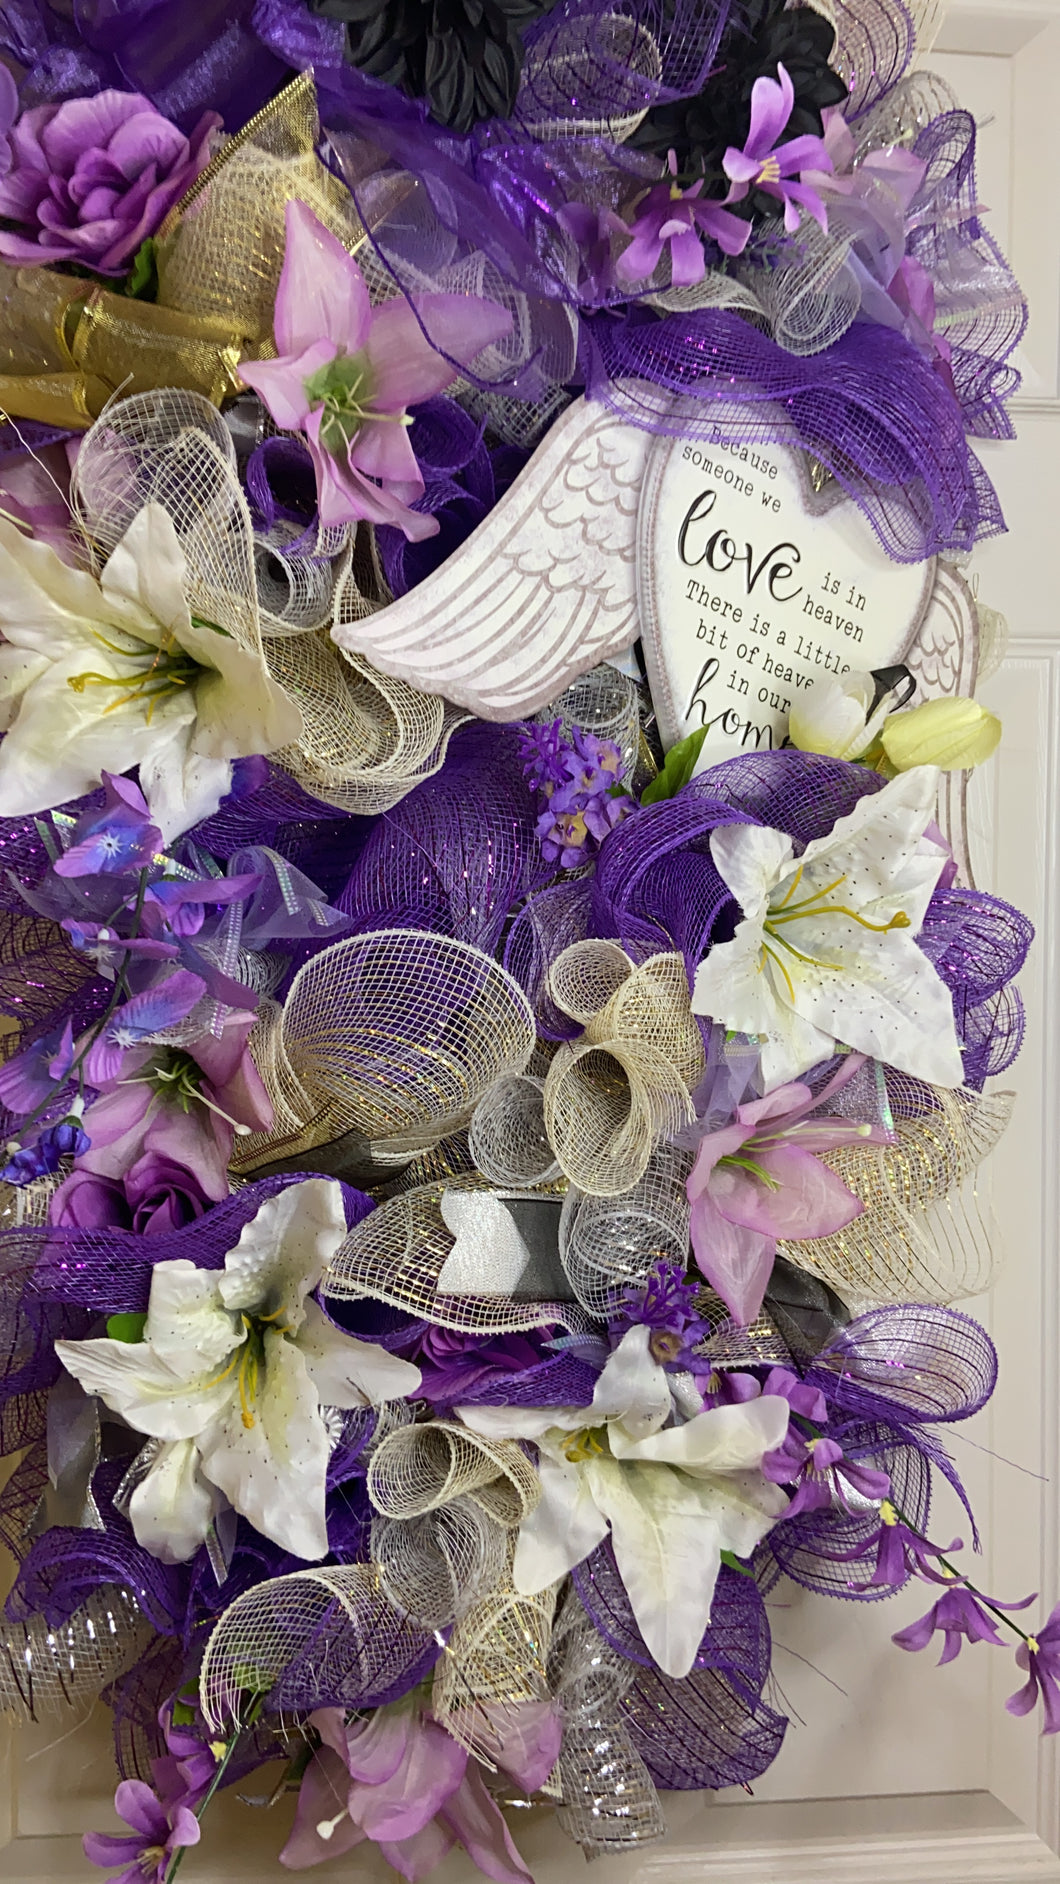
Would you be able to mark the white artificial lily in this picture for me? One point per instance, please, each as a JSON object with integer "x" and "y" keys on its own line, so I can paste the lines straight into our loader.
{"x": 834, "y": 716}
{"x": 826, "y": 950}
{"x": 105, "y": 675}
{"x": 232, "y": 1373}
{"x": 672, "y": 1497}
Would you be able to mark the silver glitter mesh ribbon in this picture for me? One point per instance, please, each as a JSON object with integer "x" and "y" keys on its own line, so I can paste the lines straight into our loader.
{"x": 45, "y": 1670}
{"x": 609, "y": 1798}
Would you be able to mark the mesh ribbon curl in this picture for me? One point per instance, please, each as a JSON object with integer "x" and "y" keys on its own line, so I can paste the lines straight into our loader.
{"x": 612, "y": 1094}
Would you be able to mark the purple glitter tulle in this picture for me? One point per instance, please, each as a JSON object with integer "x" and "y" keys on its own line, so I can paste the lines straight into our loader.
{"x": 702, "y": 1732}
{"x": 463, "y": 480}
{"x": 870, "y": 408}
{"x": 458, "y": 852}
{"x": 65, "y": 1566}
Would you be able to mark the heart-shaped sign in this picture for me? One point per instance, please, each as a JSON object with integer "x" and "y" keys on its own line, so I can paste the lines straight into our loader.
{"x": 752, "y": 585}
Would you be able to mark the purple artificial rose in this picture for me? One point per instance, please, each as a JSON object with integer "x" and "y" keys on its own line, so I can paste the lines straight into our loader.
{"x": 92, "y": 178}
{"x": 156, "y": 1194}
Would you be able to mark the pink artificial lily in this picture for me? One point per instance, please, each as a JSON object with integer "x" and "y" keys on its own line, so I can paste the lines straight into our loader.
{"x": 197, "y": 1130}
{"x": 399, "y": 1779}
{"x": 668, "y": 215}
{"x": 757, "y": 1180}
{"x": 763, "y": 164}
{"x": 347, "y": 372}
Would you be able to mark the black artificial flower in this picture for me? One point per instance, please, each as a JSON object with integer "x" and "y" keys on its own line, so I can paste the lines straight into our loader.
{"x": 700, "y": 129}
{"x": 465, "y": 57}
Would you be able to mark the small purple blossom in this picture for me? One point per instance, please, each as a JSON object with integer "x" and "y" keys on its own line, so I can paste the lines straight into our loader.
{"x": 901, "y": 1552}
{"x": 581, "y": 779}
{"x": 665, "y": 1303}
{"x": 157, "y": 1834}
{"x": 764, "y": 164}
{"x": 959, "y": 1616}
{"x": 669, "y": 216}
{"x": 1040, "y": 1656}
{"x": 27, "y": 1079}
{"x": 154, "y": 1011}
{"x": 66, "y": 1139}
{"x": 115, "y": 839}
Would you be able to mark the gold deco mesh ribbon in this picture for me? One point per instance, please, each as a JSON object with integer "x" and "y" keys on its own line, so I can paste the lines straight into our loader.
{"x": 923, "y": 1237}
{"x": 69, "y": 346}
{"x": 625, "y": 1084}
{"x": 385, "y": 1043}
{"x": 340, "y": 1615}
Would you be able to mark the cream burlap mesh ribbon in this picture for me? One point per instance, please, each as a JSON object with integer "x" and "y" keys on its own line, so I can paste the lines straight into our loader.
{"x": 385, "y": 1041}
{"x": 397, "y": 1254}
{"x": 367, "y": 740}
{"x": 626, "y": 1082}
{"x": 924, "y": 1236}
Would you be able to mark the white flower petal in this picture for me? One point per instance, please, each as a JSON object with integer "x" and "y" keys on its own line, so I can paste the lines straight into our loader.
{"x": 561, "y": 1530}
{"x": 522, "y": 1422}
{"x": 273, "y": 1471}
{"x": 284, "y": 1249}
{"x": 146, "y": 574}
{"x": 346, "y": 1372}
{"x": 186, "y": 1323}
{"x": 149, "y": 1394}
{"x": 61, "y": 740}
{"x": 816, "y": 960}
{"x": 632, "y": 1388}
{"x": 721, "y": 1439}
{"x": 172, "y": 1509}
{"x": 45, "y": 606}
{"x": 668, "y": 1549}
{"x": 752, "y": 858}
{"x": 180, "y": 786}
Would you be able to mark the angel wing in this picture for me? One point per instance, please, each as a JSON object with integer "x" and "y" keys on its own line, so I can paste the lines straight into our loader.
{"x": 542, "y": 591}
{"x": 943, "y": 659}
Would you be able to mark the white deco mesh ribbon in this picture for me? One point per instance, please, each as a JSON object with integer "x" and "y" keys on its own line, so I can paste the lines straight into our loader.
{"x": 388, "y": 1039}
{"x": 609, "y": 1798}
{"x": 366, "y": 740}
{"x": 626, "y": 1082}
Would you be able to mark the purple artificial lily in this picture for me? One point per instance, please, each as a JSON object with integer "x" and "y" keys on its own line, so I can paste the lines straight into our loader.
{"x": 815, "y": 1465}
{"x": 157, "y": 1832}
{"x": 116, "y": 838}
{"x": 401, "y": 1781}
{"x": 757, "y": 1180}
{"x": 181, "y": 1111}
{"x": 669, "y": 216}
{"x": 764, "y": 164}
{"x": 901, "y": 1553}
{"x": 346, "y": 374}
{"x": 960, "y": 1617}
{"x": 1040, "y": 1656}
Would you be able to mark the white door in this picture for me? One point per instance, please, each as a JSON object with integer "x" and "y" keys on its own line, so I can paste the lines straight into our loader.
{"x": 892, "y": 1769}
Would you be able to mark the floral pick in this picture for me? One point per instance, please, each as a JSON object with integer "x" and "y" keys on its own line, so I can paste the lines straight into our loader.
{"x": 679, "y": 219}
{"x": 764, "y": 164}
{"x": 347, "y": 373}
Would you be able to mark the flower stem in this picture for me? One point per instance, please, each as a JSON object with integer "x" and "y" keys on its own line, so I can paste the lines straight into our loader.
{"x": 959, "y": 1577}
{"x": 222, "y": 1765}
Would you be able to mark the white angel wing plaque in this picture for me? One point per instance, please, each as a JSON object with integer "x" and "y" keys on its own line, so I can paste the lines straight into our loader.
{"x": 742, "y": 583}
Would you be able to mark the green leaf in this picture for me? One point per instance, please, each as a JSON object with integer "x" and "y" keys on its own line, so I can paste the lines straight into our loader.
{"x": 183, "y": 1715}
{"x": 734, "y": 1563}
{"x": 678, "y": 769}
{"x": 126, "y": 1327}
{"x": 142, "y": 281}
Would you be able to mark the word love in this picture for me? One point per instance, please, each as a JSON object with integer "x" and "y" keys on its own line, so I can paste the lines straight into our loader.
{"x": 719, "y": 551}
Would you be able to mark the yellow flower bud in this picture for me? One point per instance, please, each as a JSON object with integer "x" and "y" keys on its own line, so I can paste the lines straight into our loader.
{"x": 952, "y": 734}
